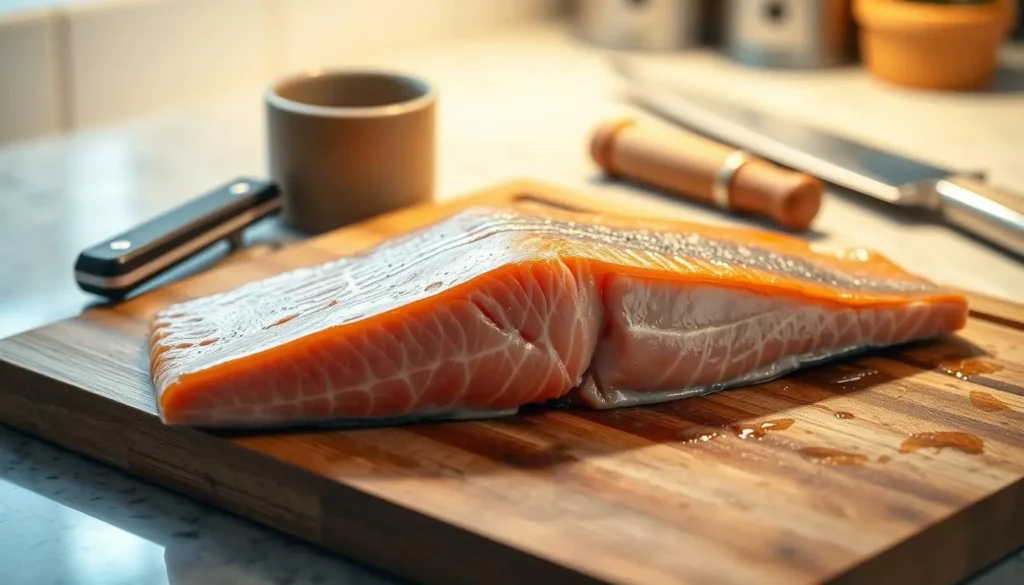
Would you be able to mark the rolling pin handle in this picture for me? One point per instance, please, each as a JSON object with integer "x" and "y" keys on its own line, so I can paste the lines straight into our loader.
{"x": 603, "y": 142}
{"x": 698, "y": 168}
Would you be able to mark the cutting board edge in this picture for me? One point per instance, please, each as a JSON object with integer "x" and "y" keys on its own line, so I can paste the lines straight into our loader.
{"x": 368, "y": 509}
{"x": 942, "y": 547}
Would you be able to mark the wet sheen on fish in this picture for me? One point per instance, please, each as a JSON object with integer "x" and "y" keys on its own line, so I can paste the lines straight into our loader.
{"x": 489, "y": 310}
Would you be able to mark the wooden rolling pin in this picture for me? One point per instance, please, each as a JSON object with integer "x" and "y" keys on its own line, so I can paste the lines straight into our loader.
{"x": 696, "y": 167}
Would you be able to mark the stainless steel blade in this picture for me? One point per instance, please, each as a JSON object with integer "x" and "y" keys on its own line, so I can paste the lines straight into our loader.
{"x": 841, "y": 161}
{"x": 961, "y": 199}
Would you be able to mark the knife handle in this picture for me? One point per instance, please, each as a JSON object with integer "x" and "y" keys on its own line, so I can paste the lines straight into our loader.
{"x": 987, "y": 212}
{"x": 122, "y": 263}
{"x": 695, "y": 167}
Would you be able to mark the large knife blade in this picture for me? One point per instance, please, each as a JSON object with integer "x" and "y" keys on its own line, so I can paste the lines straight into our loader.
{"x": 962, "y": 199}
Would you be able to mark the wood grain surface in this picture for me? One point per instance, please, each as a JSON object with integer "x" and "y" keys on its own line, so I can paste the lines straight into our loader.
{"x": 821, "y": 476}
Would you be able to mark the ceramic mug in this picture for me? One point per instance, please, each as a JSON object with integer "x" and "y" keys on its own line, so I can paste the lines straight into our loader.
{"x": 348, "y": 145}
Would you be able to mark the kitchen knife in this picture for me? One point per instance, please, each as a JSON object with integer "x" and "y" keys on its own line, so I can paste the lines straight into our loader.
{"x": 962, "y": 199}
{"x": 120, "y": 264}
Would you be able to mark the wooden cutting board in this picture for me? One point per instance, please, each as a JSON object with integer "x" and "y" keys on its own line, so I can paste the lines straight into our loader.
{"x": 697, "y": 491}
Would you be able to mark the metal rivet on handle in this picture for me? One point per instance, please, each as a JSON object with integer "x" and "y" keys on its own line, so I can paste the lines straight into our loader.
{"x": 732, "y": 164}
{"x": 239, "y": 188}
{"x": 120, "y": 245}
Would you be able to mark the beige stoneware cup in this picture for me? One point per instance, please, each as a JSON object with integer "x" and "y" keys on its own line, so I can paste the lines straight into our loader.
{"x": 349, "y": 145}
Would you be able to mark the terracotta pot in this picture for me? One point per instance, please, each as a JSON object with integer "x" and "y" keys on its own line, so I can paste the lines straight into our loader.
{"x": 933, "y": 45}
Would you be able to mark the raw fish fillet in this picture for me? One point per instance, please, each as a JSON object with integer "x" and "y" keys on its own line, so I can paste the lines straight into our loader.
{"x": 492, "y": 309}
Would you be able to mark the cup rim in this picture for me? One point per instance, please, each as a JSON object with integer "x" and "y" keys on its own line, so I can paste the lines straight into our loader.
{"x": 276, "y": 100}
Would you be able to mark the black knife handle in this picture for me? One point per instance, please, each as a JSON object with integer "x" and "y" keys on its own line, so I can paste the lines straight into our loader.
{"x": 116, "y": 266}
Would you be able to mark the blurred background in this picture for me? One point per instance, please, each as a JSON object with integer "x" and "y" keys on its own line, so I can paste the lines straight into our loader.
{"x": 114, "y": 111}
{"x": 71, "y": 64}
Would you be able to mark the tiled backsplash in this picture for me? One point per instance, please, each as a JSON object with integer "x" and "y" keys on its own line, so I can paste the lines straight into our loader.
{"x": 67, "y": 64}
{"x": 30, "y": 81}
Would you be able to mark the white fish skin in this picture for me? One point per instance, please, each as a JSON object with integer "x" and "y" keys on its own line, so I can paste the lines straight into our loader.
{"x": 665, "y": 341}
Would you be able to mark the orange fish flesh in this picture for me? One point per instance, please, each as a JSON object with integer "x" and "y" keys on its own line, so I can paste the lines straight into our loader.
{"x": 489, "y": 310}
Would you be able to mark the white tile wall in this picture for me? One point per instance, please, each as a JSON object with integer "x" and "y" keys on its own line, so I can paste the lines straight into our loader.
{"x": 319, "y": 33}
{"x": 82, "y": 63}
{"x": 133, "y": 57}
{"x": 29, "y": 76}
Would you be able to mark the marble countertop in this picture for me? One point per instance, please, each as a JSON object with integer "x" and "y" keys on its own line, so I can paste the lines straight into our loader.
{"x": 521, "y": 104}
{"x": 65, "y": 519}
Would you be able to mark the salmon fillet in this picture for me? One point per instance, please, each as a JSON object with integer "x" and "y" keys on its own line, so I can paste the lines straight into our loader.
{"x": 492, "y": 309}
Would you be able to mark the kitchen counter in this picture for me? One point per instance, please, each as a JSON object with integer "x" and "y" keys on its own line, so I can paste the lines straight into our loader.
{"x": 517, "y": 105}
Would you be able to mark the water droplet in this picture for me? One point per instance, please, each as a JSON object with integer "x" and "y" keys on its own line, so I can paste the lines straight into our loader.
{"x": 855, "y": 380}
{"x": 987, "y": 402}
{"x": 828, "y": 456}
{"x": 965, "y": 368}
{"x": 701, "y": 434}
{"x": 964, "y": 442}
{"x": 756, "y": 431}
